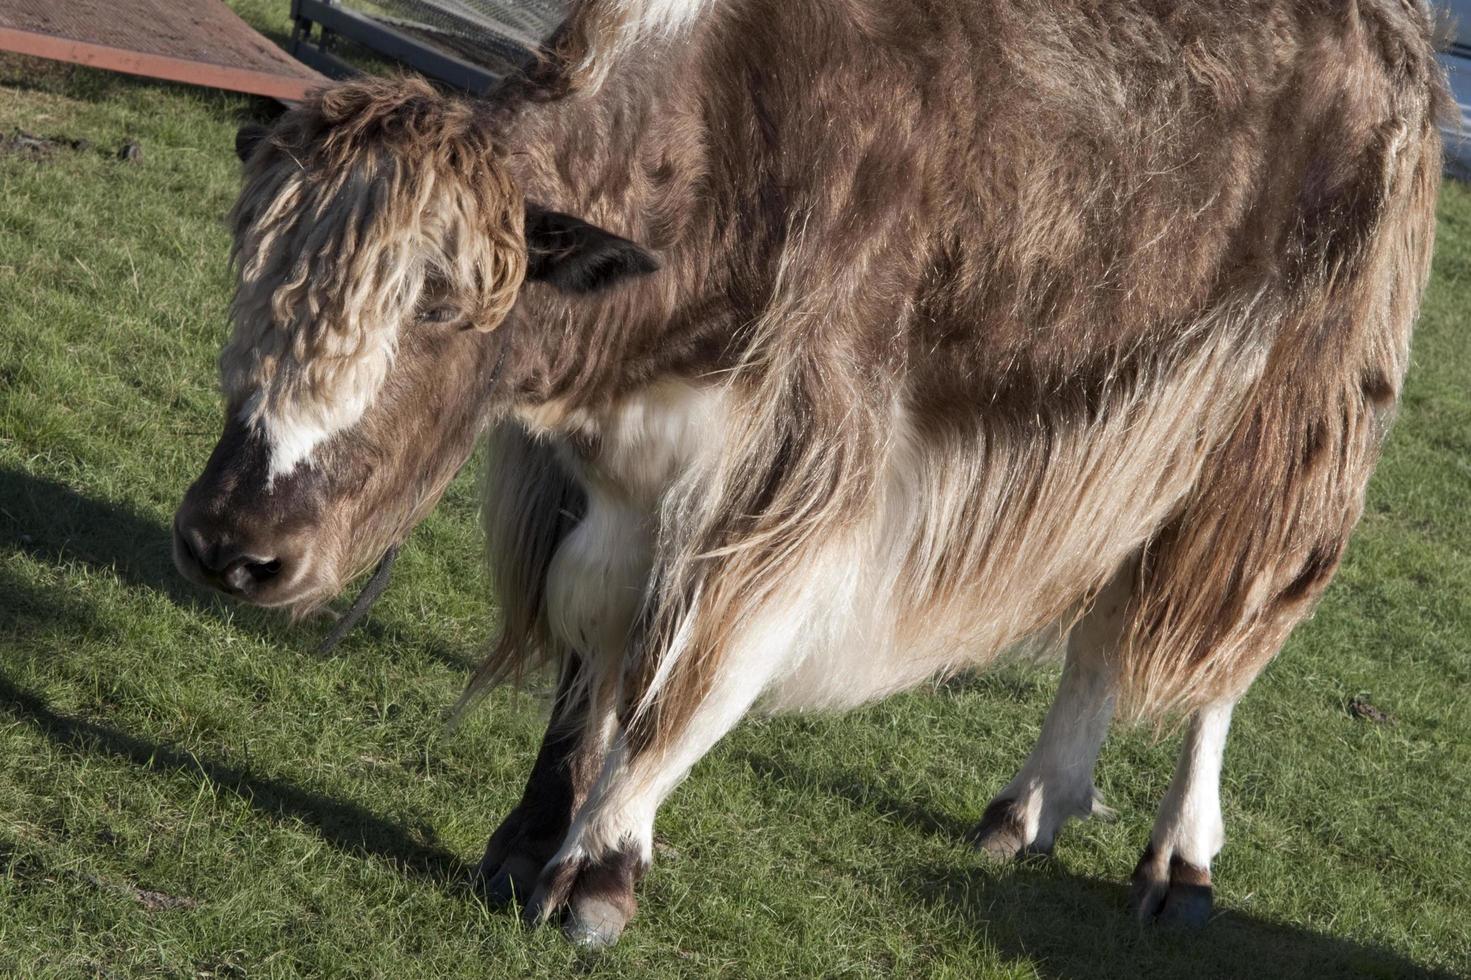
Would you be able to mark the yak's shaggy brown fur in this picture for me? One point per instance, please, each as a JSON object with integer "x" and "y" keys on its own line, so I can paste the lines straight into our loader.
{"x": 1037, "y": 227}
{"x": 968, "y": 312}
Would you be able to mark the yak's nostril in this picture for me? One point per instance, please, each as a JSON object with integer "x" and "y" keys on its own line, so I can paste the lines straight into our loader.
{"x": 185, "y": 546}
{"x": 262, "y": 571}
{"x": 217, "y": 558}
{"x": 247, "y": 574}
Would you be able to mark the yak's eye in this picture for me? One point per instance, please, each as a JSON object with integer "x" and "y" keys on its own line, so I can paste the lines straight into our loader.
{"x": 438, "y": 313}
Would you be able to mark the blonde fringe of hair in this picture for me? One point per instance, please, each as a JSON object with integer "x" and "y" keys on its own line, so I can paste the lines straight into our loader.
{"x": 362, "y": 196}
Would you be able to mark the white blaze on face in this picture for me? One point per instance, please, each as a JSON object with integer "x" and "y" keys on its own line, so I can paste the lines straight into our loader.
{"x": 358, "y": 198}
{"x": 302, "y": 402}
{"x": 312, "y": 345}
{"x": 293, "y": 428}
{"x": 291, "y": 440}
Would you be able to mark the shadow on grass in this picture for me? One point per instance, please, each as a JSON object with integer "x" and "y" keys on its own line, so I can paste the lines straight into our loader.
{"x": 98, "y": 86}
{"x": 25, "y": 609}
{"x": 346, "y": 826}
{"x": 55, "y": 524}
{"x": 1066, "y": 925}
{"x": 349, "y": 827}
{"x": 859, "y": 790}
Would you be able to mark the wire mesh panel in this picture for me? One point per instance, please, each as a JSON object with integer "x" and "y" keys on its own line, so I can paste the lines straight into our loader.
{"x": 469, "y": 44}
{"x": 478, "y": 30}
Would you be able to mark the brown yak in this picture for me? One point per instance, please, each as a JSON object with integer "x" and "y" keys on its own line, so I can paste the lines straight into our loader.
{"x": 824, "y": 348}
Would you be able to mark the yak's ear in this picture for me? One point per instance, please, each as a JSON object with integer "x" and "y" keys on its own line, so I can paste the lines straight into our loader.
{"x": 569, "y": 254}
{"x": 247, "y": 138}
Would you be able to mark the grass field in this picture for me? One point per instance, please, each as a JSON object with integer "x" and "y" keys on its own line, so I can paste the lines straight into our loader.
{"x": 186, "y": 788}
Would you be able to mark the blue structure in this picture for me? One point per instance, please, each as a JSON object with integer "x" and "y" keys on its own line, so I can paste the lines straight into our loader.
{"x": 1456, "y": 57}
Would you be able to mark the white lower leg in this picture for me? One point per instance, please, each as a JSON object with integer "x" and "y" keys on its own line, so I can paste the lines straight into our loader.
{"x": 1189, "y": 825}
{"x": 1056, "y": 782}
{"x": 1172, "y": 881}
{"x": 619, "y": 813}
{"x": 611, "y": 838}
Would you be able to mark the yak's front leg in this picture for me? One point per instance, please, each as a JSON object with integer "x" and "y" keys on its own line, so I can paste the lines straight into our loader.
{"x": 569, "y": 760}
{"x": 591, "y": 879}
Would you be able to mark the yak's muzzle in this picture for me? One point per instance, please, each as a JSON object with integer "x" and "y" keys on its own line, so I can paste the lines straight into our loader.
{"x": 238, "y": 533}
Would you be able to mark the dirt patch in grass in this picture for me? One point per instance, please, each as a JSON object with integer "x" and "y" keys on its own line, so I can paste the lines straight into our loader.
{"x": 1359, "y": 707}
{"x": 30, "y": 146}
{"x": 33, "y": 147}
{"x": 150, "y": 899}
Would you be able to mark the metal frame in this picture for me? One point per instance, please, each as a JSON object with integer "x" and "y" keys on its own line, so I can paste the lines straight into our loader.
{"x": 333, "y": 20}
{"x": 170, "y": 69}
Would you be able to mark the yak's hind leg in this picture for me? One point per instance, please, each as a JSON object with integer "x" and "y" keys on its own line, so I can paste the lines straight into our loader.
{"x": 1172, "y": 881}
{"x": 1056, "y": 783}
{"x": 569, "y": 759}
{"x": 1253, "y": 547}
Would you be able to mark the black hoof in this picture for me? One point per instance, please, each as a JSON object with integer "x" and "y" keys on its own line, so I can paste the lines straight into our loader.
{"x": 1173, "y": 893}
{"x": 512, "y": 862}
{"x": 498, "y": 890}
{"x": 1002, "y": 836}
{"x": 594, "y": 923}
{"x": 1186, "y": 906}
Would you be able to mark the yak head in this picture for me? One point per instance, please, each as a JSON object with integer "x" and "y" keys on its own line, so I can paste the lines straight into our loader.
{"x": 379, "y": 241}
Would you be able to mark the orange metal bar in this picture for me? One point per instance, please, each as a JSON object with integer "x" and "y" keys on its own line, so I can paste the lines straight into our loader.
{"x": 159, "y": 66}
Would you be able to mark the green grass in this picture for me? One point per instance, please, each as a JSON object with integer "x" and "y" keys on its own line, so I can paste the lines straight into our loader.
{"x": 186, "y": 788}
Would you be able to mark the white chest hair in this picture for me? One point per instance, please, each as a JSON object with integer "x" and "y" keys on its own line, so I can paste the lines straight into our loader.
{"x": 625, "y": 458}
{"x": 661, "y": 16}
